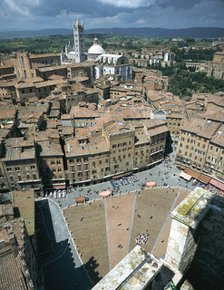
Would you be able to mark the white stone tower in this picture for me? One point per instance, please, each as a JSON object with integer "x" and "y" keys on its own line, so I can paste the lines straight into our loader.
{"x": 78, "y": 33}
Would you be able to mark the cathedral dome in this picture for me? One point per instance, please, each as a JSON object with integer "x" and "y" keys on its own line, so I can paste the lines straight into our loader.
{"x": 96, "y": 48}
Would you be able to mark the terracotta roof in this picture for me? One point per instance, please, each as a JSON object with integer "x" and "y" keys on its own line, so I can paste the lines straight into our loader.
{"x": 83, "y": 112}
{"x": 95, "y": 145}
{"x": 53, "y": 150}
{"x": 200, "y": 127}
{"x": 24, "y": 200}
{"x": 218, "y": 137}
{"x": 7, "y": 113}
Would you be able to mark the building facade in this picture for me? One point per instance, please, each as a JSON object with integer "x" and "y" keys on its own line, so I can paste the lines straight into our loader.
{"x": 201, "y": 147}
{"x": 115, "y": 148}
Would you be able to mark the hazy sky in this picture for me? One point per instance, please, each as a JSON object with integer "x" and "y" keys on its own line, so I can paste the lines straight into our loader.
{"x": 39, "y": 14}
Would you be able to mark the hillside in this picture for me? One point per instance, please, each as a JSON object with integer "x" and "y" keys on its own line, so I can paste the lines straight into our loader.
{"x": 194, "y": 32}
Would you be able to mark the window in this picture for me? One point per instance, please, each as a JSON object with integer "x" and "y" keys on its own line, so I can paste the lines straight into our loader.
{"x": 32, "y": 166}
{"x": 58, "y": 161}
{"x": 17, "y": 168}
{"x": 9, "y": 169}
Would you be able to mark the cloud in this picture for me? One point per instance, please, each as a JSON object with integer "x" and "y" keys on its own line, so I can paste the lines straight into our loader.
{"x": 18, "y": 8}
{"x": 129, "y": 3}
{"x": 179, "y": 4}
{"x": 38, "y": 14}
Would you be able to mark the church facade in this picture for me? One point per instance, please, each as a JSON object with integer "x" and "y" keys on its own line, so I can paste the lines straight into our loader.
{"x": 113, "y": 64}
{"x": 105, "y": 64}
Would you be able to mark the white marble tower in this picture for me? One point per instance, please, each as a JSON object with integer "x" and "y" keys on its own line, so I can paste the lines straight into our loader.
{"x": 78, "y": 33}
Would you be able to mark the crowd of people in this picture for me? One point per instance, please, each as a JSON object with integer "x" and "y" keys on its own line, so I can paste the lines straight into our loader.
{"x": 141, "y": 239}
{"x": 116, "y": 183}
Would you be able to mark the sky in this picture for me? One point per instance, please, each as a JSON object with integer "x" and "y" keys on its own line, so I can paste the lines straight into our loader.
{"x": 41, "y": 14}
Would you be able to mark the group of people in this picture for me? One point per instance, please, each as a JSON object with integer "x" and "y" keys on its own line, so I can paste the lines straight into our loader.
{"x": 124, "y": 181}
{"x": 141, "y": 239}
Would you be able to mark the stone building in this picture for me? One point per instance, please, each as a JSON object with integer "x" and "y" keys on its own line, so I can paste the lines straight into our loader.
{"x": 214, "y": 164}
{"x": 84, "y": 115}
{"x": 26, "y": 64}
{"x": 19, "y": 268}
{"x": 201, "y": 147}
{"x": 52, "y": 165}
{"x": 19, "y": 164}
{"x": 113, "y": 64}
{"x": 114, "y": 148}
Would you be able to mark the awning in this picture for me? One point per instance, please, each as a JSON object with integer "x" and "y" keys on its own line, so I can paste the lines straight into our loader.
{"x": 150, "y": 184}
{"x": 217, "y": 184}
{"x": 204, "y": 178}
{"x": 185, "y": 176}
{"x": 80, "y": 199}
{"x": 181, "y": 166}
{"x": 192, "y": 173}
{"x": 105, "y": 193}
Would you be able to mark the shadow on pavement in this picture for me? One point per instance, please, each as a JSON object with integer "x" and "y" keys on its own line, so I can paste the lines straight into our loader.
{"x": 59, "y": 269}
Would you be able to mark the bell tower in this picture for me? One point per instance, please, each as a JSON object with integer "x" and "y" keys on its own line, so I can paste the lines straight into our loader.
{"x": 78, "y": 33}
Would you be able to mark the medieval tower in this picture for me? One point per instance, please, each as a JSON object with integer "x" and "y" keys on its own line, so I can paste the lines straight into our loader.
{"x": 78, "y": 33}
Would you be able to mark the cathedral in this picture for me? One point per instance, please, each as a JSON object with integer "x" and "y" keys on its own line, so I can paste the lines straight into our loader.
{"x": 105, "y": 64}
{"x": 75, "y": 53}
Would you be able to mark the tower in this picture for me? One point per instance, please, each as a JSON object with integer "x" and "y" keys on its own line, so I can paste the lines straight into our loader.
{"x": 78, "y": 33}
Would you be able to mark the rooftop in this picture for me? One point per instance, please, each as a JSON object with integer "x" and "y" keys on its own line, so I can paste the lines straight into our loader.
{"x": 24, "y": 200}
{"x": 201, "y": 127}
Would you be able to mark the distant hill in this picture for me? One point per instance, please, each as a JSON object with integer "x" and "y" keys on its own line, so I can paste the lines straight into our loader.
{"x": 194, "y": 32}
{"x": 34, "y": 33}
